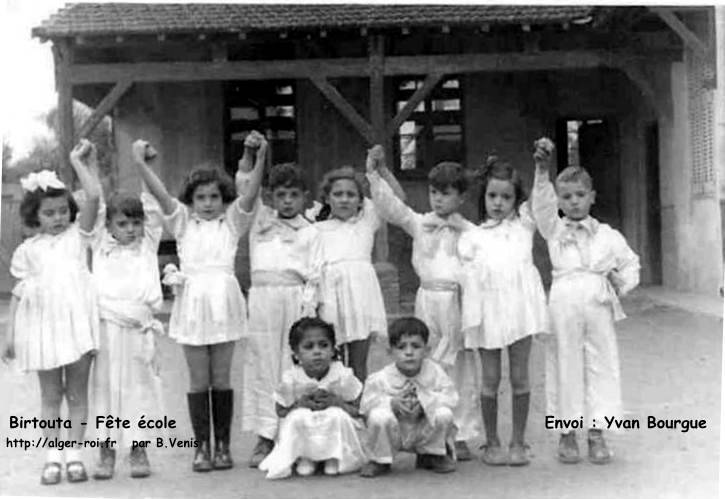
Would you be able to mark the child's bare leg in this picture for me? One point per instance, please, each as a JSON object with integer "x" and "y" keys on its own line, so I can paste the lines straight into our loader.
{"x": 51, "y": 397}
{"x": 76, "y": 393}
{"x": 519, "y": 353}
{"x": 520, "y": 395}
{"x": 491, "y": 360}
{"x": 357, "y": 355}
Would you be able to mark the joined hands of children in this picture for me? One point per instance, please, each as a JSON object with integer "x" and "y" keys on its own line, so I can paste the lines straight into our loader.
{"x": 543, "y": 149}
{"x": 142, "y": 151}
{"x": 376, "y": 159}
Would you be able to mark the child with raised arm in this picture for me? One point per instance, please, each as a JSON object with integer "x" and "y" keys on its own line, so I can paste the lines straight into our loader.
{"x": 409, "y": 405}
{"x": 592, "y": 267}
{"x": 435, "y": 260}
{"x": 209, "y": 311}
{"x": 317, "y": 401}
{"x": 350, "y": 295}
{"x": 53, "y": 322}
{"x": 284, "y": 288}
{"x": 125, "y": 380}
{"x": 503, "y": 303}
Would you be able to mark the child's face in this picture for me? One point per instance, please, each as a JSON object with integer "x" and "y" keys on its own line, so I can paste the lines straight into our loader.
{"x": 575, "y": 199}
{"x": 288, "y": 201}
{"x": 315, "y": 352}
{"x": 125, "y": 230}
{"x": 344, "y": 199}
{"x": 445, "y": 202}
{"x": 207, "y": 201}
{"x": 408, "y": 354}
{"x": 500, "y": 198}
{"x": 54, "y": 215}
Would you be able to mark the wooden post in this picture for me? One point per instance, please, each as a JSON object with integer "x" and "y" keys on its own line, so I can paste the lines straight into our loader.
{"x": 377, "y": 96}
{"x": 66, "y": 134}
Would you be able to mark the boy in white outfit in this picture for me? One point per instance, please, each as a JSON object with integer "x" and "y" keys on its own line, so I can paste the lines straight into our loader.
{"x": 408, "y": 405}
{"x": 435, "y": 260}
{"x": 592, "y": 267}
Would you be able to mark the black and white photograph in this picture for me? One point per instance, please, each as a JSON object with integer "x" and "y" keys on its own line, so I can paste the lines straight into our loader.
{"x": 361, "y": 250}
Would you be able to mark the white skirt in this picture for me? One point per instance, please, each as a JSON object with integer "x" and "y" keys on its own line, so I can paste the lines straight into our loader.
{"x": 352, "y": 301}
{"x": 208, "y": 309}
{"x": 318, "y": 436}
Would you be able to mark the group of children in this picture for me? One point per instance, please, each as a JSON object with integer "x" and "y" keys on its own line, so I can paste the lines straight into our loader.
{"x": 313, "y": 306}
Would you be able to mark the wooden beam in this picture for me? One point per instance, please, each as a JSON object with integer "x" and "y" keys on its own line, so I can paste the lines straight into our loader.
{"x": 639, "y": 77}
{"x": 376, "y": 48}
{"x": 690, "y": 38}
{"x": 421, "y": 93}
{"x": 66, "y": 134}
{"x": 104, "y": 107}
{"x": 347, "y": 67}
{"x": 345, "y": 108}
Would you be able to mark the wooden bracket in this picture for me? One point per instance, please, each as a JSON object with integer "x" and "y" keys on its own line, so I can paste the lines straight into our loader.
{"x": 691, "y": 39}
{"x": 345, "y": 108}
{"x": 106, "y": 104}
{"x": 421, "y": 93}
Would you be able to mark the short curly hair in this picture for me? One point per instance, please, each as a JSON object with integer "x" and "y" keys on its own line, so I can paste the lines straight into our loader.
{"x": 124, "y": 203}
{"x": 298, "y": 329}
{"x": 207, "y": 175}
{"x": 343, "y": 173}
{"x": 407, "y": 326}
{"x": 286, "y": 175}
{"x": 30, "y": 205}
{"x": 498, "y": 169}
{"x": 448, "y": 174}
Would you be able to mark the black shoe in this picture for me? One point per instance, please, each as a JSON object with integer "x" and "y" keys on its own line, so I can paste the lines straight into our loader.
{"x": 199, "y": 413}
{"x": 140, "y": 467}
{"x": 261, "y": 450}
{"x": 105, "y": 465}
{"x": 222, "y": 407}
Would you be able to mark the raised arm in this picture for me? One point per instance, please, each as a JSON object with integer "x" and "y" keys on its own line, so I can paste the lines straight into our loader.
{"x": 142, "y": 153}
{"x": 84, "y": 159}
{"x": 375, "y": 161}
{"x": 543, "y": 201}
{"x": 251, "y": 143}
{"x": 388, "y": 203}
{"x": 247, "y": 194}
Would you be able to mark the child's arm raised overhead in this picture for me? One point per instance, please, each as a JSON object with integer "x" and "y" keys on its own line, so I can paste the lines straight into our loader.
{"x": 544, "y": 203}
{"x": 84, "y": 159}
{"x": 246, "y": 163}
{"x": 248, "y": 193}
{"x": 389, "y": 204}
{"x": 152, "y": 181}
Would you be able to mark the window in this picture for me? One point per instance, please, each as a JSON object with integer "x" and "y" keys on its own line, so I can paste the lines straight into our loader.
{"x": 268, "y": 107}
{"x": 434, "y": 130}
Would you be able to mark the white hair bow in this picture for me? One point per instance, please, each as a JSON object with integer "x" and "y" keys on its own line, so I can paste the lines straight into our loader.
{"x": 44, "y": 179}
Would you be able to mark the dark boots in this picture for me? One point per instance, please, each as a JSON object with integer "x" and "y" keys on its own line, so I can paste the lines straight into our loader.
{"x": 222, "y": 406}
{"x": 199, "y": 413}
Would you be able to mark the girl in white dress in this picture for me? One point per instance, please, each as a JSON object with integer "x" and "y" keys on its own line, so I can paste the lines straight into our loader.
{"x": 350, "y": 295}
{"x": 125, "y": 381}
{"x": 317, "y": 400}
{"x": 503, "y": 302}
{"x": 53, "y": 320}
{"x": 209, "y": 312}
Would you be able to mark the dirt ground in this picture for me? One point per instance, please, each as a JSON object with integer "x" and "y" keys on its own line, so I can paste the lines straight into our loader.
{"x": 671, "y": 368}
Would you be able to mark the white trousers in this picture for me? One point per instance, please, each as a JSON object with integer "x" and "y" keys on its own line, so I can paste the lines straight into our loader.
{"x": 582, "y": 361}
{"x": 386, "y": 434}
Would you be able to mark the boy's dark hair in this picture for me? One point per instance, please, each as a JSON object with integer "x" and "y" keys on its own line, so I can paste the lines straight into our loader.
{"x": 207, "y": 175}
{"x": 287, "y": 175}
{"x": 448, "y": 174}
{"x": 298, "y": 329}
{"x": 407, "y": 326}
{"x": 575, "y": 174}
{"x": 30, "y": 204}
{"x": 501, "y": 170}
{"x": 343, "y": 173}
{"x": 124, "y": 203}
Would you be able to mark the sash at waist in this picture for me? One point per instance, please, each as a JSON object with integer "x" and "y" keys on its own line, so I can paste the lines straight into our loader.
{"x": 438, "y": 285}
{"x": 290, "y": 278}
{"x": 128, "y": 313}
{"x": 191, "y": 270}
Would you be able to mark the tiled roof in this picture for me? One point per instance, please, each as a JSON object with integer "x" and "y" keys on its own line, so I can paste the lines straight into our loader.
{"x": 88, "y": 19}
